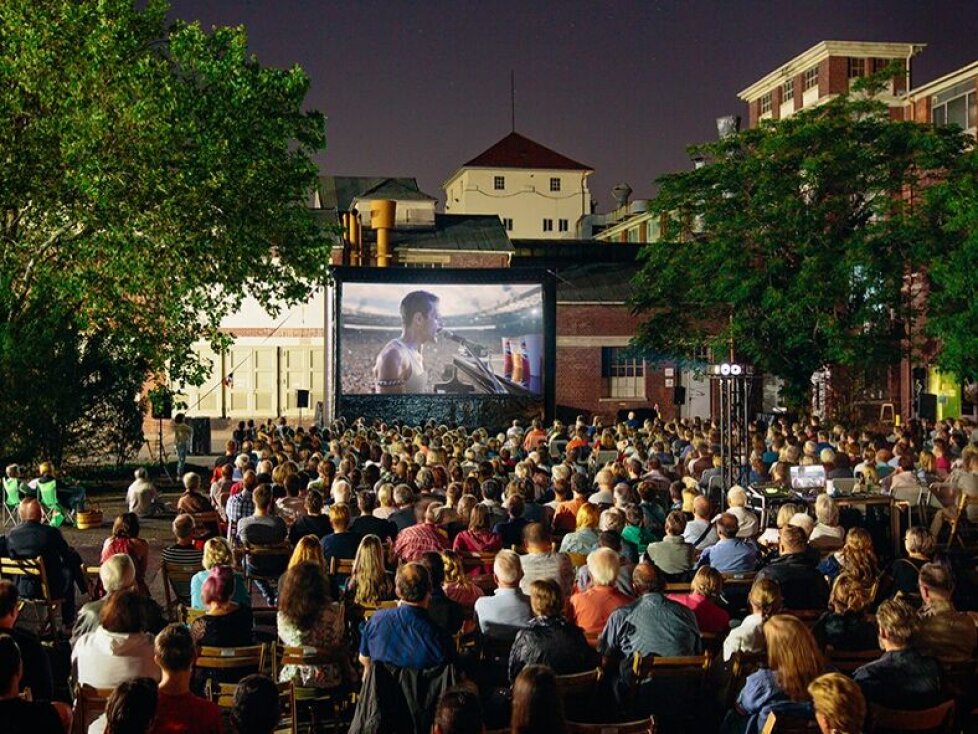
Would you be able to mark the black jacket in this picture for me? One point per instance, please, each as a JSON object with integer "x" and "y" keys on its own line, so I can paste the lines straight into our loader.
{"x": 802, "y": 585}
{"x": 400, "y": 700}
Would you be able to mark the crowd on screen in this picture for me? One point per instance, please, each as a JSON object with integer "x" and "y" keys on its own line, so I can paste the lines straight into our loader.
{"x": 464, "y": 573}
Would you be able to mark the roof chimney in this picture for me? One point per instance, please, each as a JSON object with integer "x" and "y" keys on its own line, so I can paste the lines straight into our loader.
{"x": 621, "y": 192}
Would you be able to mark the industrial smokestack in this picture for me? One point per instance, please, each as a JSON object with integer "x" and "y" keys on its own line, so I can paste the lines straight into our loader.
{"x": 621, "y": 192}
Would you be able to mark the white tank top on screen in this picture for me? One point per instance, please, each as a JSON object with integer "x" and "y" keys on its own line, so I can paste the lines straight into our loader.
{"x": 418, "y": 381}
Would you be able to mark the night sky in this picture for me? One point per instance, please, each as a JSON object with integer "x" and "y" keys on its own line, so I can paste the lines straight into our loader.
{"x": 418, "y": 88}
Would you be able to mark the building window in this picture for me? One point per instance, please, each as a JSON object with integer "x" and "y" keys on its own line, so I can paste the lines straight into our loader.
{"x": 810, "y": 78}
{"x": 957, "y": 106}
{"x": 499, "y": 183}
{"x": 766, "y": 103}
{"x": 548, "y": 225}
{"x": 788, "y": 91}
{"x": 555, "y": 184}
{"x": 857, "y": 68}
{"x": 562, "y": 225}
{"x": 508, "y": 224}
{"x": 622, "y": 374}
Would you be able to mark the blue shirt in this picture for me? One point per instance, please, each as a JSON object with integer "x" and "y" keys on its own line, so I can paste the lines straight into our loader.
{"x": 406, "y": 637}
{"x": 730, "y": 555}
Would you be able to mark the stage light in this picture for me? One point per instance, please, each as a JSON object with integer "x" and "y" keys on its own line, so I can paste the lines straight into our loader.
{"x": 724, "y": 369}
{"x": 735, "y": 370}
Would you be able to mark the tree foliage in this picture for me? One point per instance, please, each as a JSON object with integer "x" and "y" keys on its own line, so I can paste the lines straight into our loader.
{"x": 794, "y": 241}
{"x": 153, "y": 176}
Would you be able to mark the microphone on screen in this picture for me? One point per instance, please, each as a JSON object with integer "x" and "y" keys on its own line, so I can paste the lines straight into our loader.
{"x": 476, "y": 349}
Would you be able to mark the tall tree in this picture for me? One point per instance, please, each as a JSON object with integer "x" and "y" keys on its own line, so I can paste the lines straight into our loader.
{"x": 153, "y": 176}
{"x": 794, "y": 240}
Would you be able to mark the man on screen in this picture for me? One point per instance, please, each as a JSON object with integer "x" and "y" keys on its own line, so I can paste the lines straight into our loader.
{"x": 400, "y": 366}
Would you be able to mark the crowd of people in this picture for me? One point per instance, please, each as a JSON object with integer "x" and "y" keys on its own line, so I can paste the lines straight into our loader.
{"x": 462, "y": 572}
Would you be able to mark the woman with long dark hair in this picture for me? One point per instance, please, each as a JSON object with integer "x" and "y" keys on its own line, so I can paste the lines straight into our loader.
{"x": 537, "y": 707}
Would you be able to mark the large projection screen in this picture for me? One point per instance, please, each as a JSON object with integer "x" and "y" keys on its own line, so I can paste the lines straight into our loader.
{"x": 454, "y": 344}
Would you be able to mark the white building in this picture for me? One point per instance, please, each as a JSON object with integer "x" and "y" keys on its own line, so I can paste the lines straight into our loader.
{"x": 536, "y": 192}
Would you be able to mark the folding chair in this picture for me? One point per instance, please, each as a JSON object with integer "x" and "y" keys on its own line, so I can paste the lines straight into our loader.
{"x": 224, "y": 698}
{"x": 33, "y": 568}
{"x": 316, "y": 700}
{"x": 175, "y": 574}
{"x": 964, "y": 501}
{"x": 576, "y": 692}
{"x": 691, "y": 669}
{"x": 89, "y": 705}
{"x": 11, "y": 501}
{"x": 272, "y": 560}
{"x": 642, "y": 726}
{"x": 938, "y": 719}
{"x": 242, "y": 660}
{"x": 847, "y": 661}
{"x": 53, "y": 511}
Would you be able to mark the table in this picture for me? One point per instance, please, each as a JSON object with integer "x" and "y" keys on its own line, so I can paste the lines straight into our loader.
{"x": 877, "y": 499}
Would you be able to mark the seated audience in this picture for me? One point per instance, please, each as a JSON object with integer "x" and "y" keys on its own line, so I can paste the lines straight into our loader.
{"x": 422, "y": 537}
{"x": 704, "y": 599}
{"x": 370, "y": 583}
{"x": 845, "y": 626}
{"x": 312, "y": 521}
{"x": 142, "y": 497}
{"x": 125, "y": 539}
{"x": 609, "y": 539}
{"x": 221, "y": 490}
{"x": 793, "y": 660}
{"x": 838, "y": 703}
{"x": 225, "y": 623}
{"x": 458, "y": 586}
{"x": 406, "y": 636}
{"x": 537, "y": 705}
{"x": 508, "y": 609}
{"x": 902, "y": 575}
{"x": 700, "y": 531}
{"x": 903, "y": 678}
{"x": 585, "y": 538}
{"x": 731, "y": 554}
{"x": 550, "y": 638}
{"x": 178, "y": 711}
{"x": 748, "y": 637}
{"x": 131, "y": 709}
{"x": 827, "y": 533}
{"x": 183, "y": 552}
{"x": 857, "y": 559}
{"x": 510, "y": 530}
{"x": 263, "y": 530}
{"x": 256, "y": 708}
{"x": 192, "y": 501}
{"x": 309, "y": 550}
{"x": 802, "y": 585}
{"x": 368, "y": 524}
{"x": 748, "y": 525}
{"x": 217, "y": 552}
{"x": 292, "y": 505}
{"x": 120, "y": 648}
{"x": 942, "y": 632}
{"x": 307, "y": 617}
{"x": 36, "y": 673}
{"x": 478, "y": 538}
{"x": 446, "y": 613}
{"x": 458, "y": 712}
{"x": 19, "y": 715}
{"x": 541, "y": 561}
{"x": 590, "y": 609}
{"x": 771, "y": 536}
{"x": 117, "y": 574}
{"x": 673, "y": 555}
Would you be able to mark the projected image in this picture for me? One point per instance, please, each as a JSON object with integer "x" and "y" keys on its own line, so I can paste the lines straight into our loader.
{"x": 441, "y": 339}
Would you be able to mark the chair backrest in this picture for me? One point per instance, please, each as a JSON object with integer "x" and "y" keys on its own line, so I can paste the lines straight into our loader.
{"x": 656, "y": 666}
{"x": 191, "y": 615}
{"x": 472, "y": 560}
{"x": 177, "y": 573}
{"x": 47, "y": 493}
{"x": 847, "y": 661}
{"x": 739, "y": 578}
{"x": 780, "y": 724}
{"x": 604, "y": 456}
{"x": 89, "y": 705}
{"x": 222, "y": 658}
{"x": 342, "y": 566}
{"x": 939, "y": 719}
{"x": 223, "y": 696}
{"x": 577, "y": 684}
{"x": 265, "y": 555}
{"x": 31, "y": 567}
{"x": 11, "y": 492}
{"x": 677, "y": 587}
{"x": 201, "y": 518}
{"x": 368, "y": 612}
{"x": 642, "y": 726}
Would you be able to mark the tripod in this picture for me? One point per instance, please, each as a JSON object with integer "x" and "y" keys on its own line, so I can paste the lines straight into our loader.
{"x": 161, "y": 451}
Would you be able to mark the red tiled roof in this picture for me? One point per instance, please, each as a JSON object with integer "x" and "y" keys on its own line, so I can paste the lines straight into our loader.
{"x": 516, "y": 151}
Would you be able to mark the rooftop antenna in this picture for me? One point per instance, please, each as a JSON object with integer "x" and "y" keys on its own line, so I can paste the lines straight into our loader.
{"x": 512, "y": 99}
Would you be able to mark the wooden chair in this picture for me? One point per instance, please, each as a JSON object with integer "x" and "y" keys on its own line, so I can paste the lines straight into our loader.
{"x": 173, "y": 574}
{"x": 808, "y": 616}
{"x": 741, "y": 665}
{"x": 315, "y": 700}
{"x": 847, "y": 661}
{"x": 779, "y": 724}
{"x": 266, "y": 556}
{"x": 243, "y": 660}
{"x": 189, "y": 615}
{"x": 961, "y": 513}
{"x": 939, "y": 719}
{"x": 47, "y": 608}
{"x": 342, "y": 566}
{"x": 576, "y": 691}
{"x": 642, "y": 726}
{"x": 89, "y": 705}
{"x": 368, "y": 612}
{"x": 677, "y": 587}
{"x": 478, "y": 560}
{"x": 651, "y": 668}
{"x": 203, "y": 520}
{"x": 223, "y": 696}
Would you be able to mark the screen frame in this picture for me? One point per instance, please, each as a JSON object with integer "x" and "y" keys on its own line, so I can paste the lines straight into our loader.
{"x": 384, "y": 404}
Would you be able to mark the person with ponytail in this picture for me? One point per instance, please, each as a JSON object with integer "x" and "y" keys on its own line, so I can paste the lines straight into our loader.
{"x": 765, "y": 601}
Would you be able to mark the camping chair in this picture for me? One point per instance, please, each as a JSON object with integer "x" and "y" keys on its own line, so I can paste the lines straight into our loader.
{"x": 316, "y": 700}
{"x": 224, "y": 698}
{"x": 11, "y": 501}
{"x": 53, "y": 511}
{"x": 174, "y": 574}
{"x": 50, "y": 608}
{"x": 961, "y": 514}
{"x": 89, "y": 705}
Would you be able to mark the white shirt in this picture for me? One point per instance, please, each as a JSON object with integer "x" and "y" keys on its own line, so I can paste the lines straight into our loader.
{"x": 106, "y": 659}
{"x": 748, "y": 637}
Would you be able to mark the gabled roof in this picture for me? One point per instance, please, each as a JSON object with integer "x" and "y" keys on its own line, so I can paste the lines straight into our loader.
{"x": 517, "y": 151}
{"x": 338, "y": 192}
{"x": 458, "y": 232}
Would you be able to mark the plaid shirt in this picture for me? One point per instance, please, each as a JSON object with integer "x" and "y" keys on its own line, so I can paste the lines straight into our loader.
{"x": 240, "y": 506}
{"x": 417, "y": 539}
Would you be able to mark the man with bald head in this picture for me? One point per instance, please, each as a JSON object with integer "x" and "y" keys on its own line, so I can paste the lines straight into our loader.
{"x": 30, "y": 539}
{"x": 406, "y": 636}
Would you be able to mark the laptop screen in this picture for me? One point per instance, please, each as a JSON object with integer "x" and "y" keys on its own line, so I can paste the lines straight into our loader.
{"x": 807, "y": 477}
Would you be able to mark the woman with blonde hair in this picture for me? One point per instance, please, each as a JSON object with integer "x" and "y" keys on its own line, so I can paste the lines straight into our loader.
{"x": 458, "y": 586}
{"x": 702, "y": 600}
{"x": 772, "y": 536}
{"x": 794, "y": 661}
{"x": 857, "y": 559}
{"x": 748, "y": 637}
{"x": 370, "y": 582}
{"x": 217, "y": 552}
{"x": 840, "y": 707}
{"x": 309, "y": 550}
{"x": 585, "y": 538}
{"x": 845, "y": 626}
